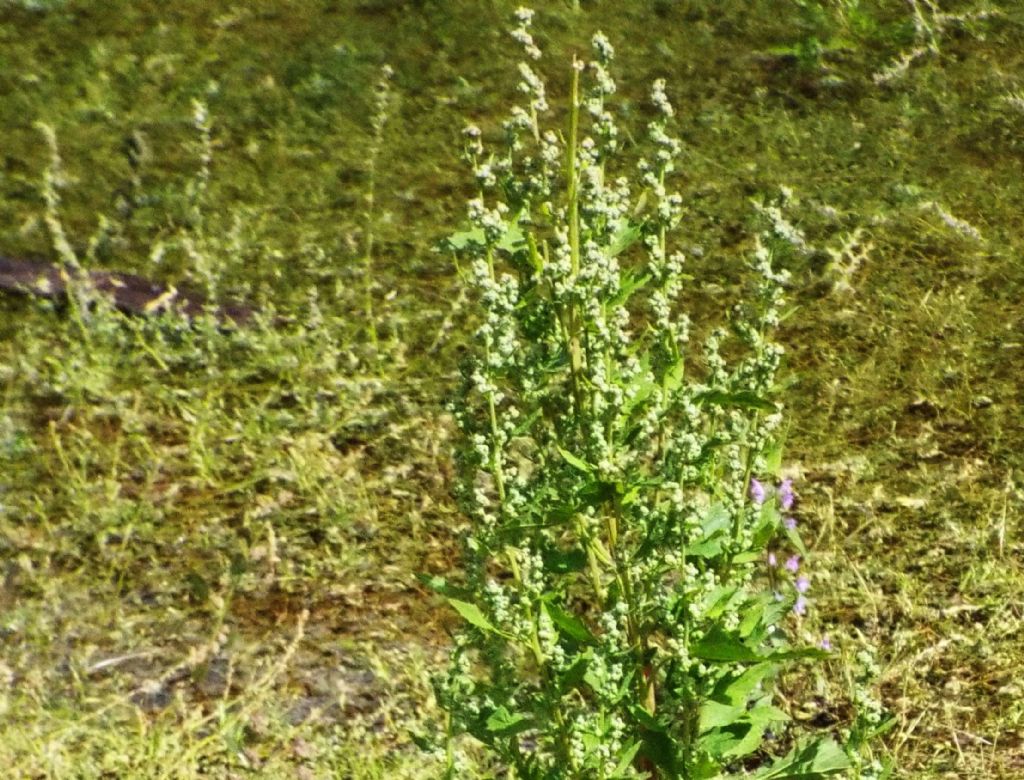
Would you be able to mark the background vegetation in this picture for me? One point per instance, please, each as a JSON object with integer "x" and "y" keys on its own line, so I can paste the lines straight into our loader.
{"x": 209, "y": 537}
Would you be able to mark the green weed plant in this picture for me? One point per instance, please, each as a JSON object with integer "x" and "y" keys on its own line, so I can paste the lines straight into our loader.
{"x": 633, "y": 586}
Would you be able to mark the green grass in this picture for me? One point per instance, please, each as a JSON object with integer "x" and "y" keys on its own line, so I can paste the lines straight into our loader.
{"x": 173, "y": 498}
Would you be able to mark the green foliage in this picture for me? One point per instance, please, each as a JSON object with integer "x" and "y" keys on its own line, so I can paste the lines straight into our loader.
{"x": 590, "y": 431}
{"x": 160, "y": 468}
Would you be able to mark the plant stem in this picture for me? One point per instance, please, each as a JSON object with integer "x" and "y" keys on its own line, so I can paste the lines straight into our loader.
{"x": 572, "y": 194}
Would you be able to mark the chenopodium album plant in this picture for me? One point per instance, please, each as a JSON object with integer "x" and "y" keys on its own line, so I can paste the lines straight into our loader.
{"x": 630, "y": 575}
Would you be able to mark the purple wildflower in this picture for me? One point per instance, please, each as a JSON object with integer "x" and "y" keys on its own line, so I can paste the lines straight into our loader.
{"x": 825, "y": 643}
{"x": 803, "y": 583}
{"x": 757, "y": 491}
{"x": 772, "y": 560}
{"x": 786, "y": 496}
{"x": 800, "y": 607}
{"x": 790, "y": 523}
{"x": 793, "y": 563}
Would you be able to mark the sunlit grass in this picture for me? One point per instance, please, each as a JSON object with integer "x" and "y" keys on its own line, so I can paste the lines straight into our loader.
{"x": 161, "y": 483}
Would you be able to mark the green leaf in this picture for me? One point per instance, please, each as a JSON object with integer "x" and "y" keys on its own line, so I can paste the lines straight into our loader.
{"x": 793, "y": 654}
{"x": 716, "y": 715}
{"x": 773, "y": 459}
{"x": 575, "y": 674}
{"x": 638, "y": 392}
{"x": 507, "y": 724}
{"x": 526, "y": 424}
{"x": 597, "y": 491}
{"x": 765, "y": 714}
{"x": 442, "y": 587}
{"x": 718, "y": 742}
{"x": 626, "y": 760}
{"x": 673, "y": 378}
{"x": 753, "y": 613}
{"x": 460, "y": 240}
{"x": 629, "y": 285}
{"x": 660, "y": 749}
{"x": 645, "y": 719}
{"x": 627, "y": 234}
{"x": 715, "y": 522}
{"x": 512, "y": 241}
{"x": 575, "y": 462}
{"x": 708, "y": 548}
{"x": 472, "y": 613}
{"x": 719, "y": 645}
{"x": 747, "y": 744}
{"x": 737, "y": 690}
{"x": 767, "y": 527}
{"x": 568, "y": 624}
{"x": 771, "y": 613}
{"x": 743, "y": 399}
{"x": 747, "y": 557}
{"x": 722, "y": 598}
{"x": 807, "y": 761}
{"x": 794, "y": 536}
{"x": 717, "y": 518}
{"x": 564, "y": 561}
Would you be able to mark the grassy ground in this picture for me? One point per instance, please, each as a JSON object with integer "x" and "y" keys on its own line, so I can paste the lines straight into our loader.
{"x": 209, "y": 538}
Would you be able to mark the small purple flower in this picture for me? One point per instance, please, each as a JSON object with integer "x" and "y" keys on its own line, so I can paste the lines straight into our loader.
{"x": 825, "y": 643}
{"x": 793, "y": 563}
{"x": 786, "y": 496}
{"x": 757, "y": 491}
{"x": 803, "y": 583}
{"x": 790, "y": 523}
{"x": 772, "y": 560}
{"x": 800, "y": 606}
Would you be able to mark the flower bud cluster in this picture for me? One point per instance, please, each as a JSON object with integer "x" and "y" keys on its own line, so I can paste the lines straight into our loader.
{"x": 615, "y": 523}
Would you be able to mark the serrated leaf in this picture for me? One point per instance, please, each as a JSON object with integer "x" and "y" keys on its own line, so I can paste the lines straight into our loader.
{"x": 512, "y": 240}
{"x": 808, "y": 761}
{"x": 463, "y": 238}
{"x": 717, "y": 518}
{"x": 627, "y": 234}
{"x": 507, "y": 724}
{"x": 472, "y": 614}
{"x": 719, "y": 645}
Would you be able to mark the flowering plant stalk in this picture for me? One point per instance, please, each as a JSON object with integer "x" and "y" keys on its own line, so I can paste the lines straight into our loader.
{"x": 625, "y": 611}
